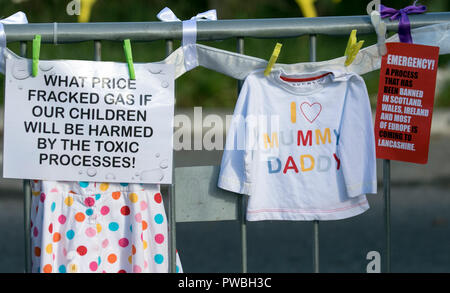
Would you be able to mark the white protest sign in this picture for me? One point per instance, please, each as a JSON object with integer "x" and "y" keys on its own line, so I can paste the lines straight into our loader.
{"x": 87, "y": 121}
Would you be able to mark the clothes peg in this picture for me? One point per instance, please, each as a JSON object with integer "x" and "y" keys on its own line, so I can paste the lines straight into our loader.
{"x": 129, "y": 58}
{"x": 352, "y": 49}
{"x": 273, "y": 58}
{"x": 36, "y": 52}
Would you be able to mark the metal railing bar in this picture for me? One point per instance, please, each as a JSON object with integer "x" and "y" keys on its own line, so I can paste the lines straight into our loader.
{"x": 242, "y": 202}
{"x": 209, "y": 30}
{"x": 171, "y": 197}
{"x": 27, "y": 223}
{"x": 387, "y": 212}
{"x": 316, "y": 254}
{"x": 27, "y": 199}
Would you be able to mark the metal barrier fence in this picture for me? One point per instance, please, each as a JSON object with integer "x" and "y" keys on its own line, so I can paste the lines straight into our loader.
{"x": 201, "y": 199}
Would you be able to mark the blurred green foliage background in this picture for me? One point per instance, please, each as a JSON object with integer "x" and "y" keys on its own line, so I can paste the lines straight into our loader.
{"x": 202, "y": 87}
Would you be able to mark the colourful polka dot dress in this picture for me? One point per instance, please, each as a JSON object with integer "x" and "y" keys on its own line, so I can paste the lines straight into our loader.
{"x": 98, "y": 227}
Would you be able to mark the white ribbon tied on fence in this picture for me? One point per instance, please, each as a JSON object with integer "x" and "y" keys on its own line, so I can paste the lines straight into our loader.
{"x": 17, "y": 18}
{"x": 380, "y": 29}
{"x": 189, "y": 33}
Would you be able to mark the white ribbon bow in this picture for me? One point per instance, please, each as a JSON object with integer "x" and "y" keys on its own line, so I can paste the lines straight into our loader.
{"x": 189, "y": 33}
{"x": 17, "y": 18}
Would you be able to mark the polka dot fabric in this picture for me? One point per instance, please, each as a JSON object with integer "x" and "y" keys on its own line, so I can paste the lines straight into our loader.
{"x": 88, "y": 227}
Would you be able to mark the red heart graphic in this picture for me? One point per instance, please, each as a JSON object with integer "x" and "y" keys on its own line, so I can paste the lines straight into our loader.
{"x": 311, "y": 111}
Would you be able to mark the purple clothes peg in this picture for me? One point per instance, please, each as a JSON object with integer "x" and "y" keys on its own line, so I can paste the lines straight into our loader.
{"x": 404, "y": 27}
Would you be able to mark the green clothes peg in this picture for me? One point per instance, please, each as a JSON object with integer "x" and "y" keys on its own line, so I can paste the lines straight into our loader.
{"x": 36, "y": 52}
{"x": 129, "y": 57}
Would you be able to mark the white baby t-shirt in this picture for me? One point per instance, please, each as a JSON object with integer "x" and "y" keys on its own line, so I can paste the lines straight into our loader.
{"x": 301, "y": 146}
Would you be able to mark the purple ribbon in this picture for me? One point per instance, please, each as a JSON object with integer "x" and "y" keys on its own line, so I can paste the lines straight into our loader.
{"x": 404, "y": 27}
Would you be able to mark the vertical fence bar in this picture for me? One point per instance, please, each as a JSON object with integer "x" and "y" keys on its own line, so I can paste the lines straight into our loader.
{"x": 316, "y": 255}
{"x": 27, "y": 224}
{"x": 97, "y": 51}
{"x": 316, "y": 246}
{"x": 387, "y": 211}
{"x": 171, "y": 197}
{"x": 27, "y": 198}
{"x": 243, "y": 198}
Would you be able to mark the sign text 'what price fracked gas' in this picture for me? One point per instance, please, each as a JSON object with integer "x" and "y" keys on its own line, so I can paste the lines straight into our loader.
{"x": 87, "y": 121}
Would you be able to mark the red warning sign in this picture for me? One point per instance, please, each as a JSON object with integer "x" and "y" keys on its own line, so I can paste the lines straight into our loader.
{"x": 405, "y": 102}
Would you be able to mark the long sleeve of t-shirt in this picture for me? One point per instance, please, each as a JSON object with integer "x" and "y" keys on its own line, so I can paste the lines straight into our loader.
{"x": 356, "y": 147}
